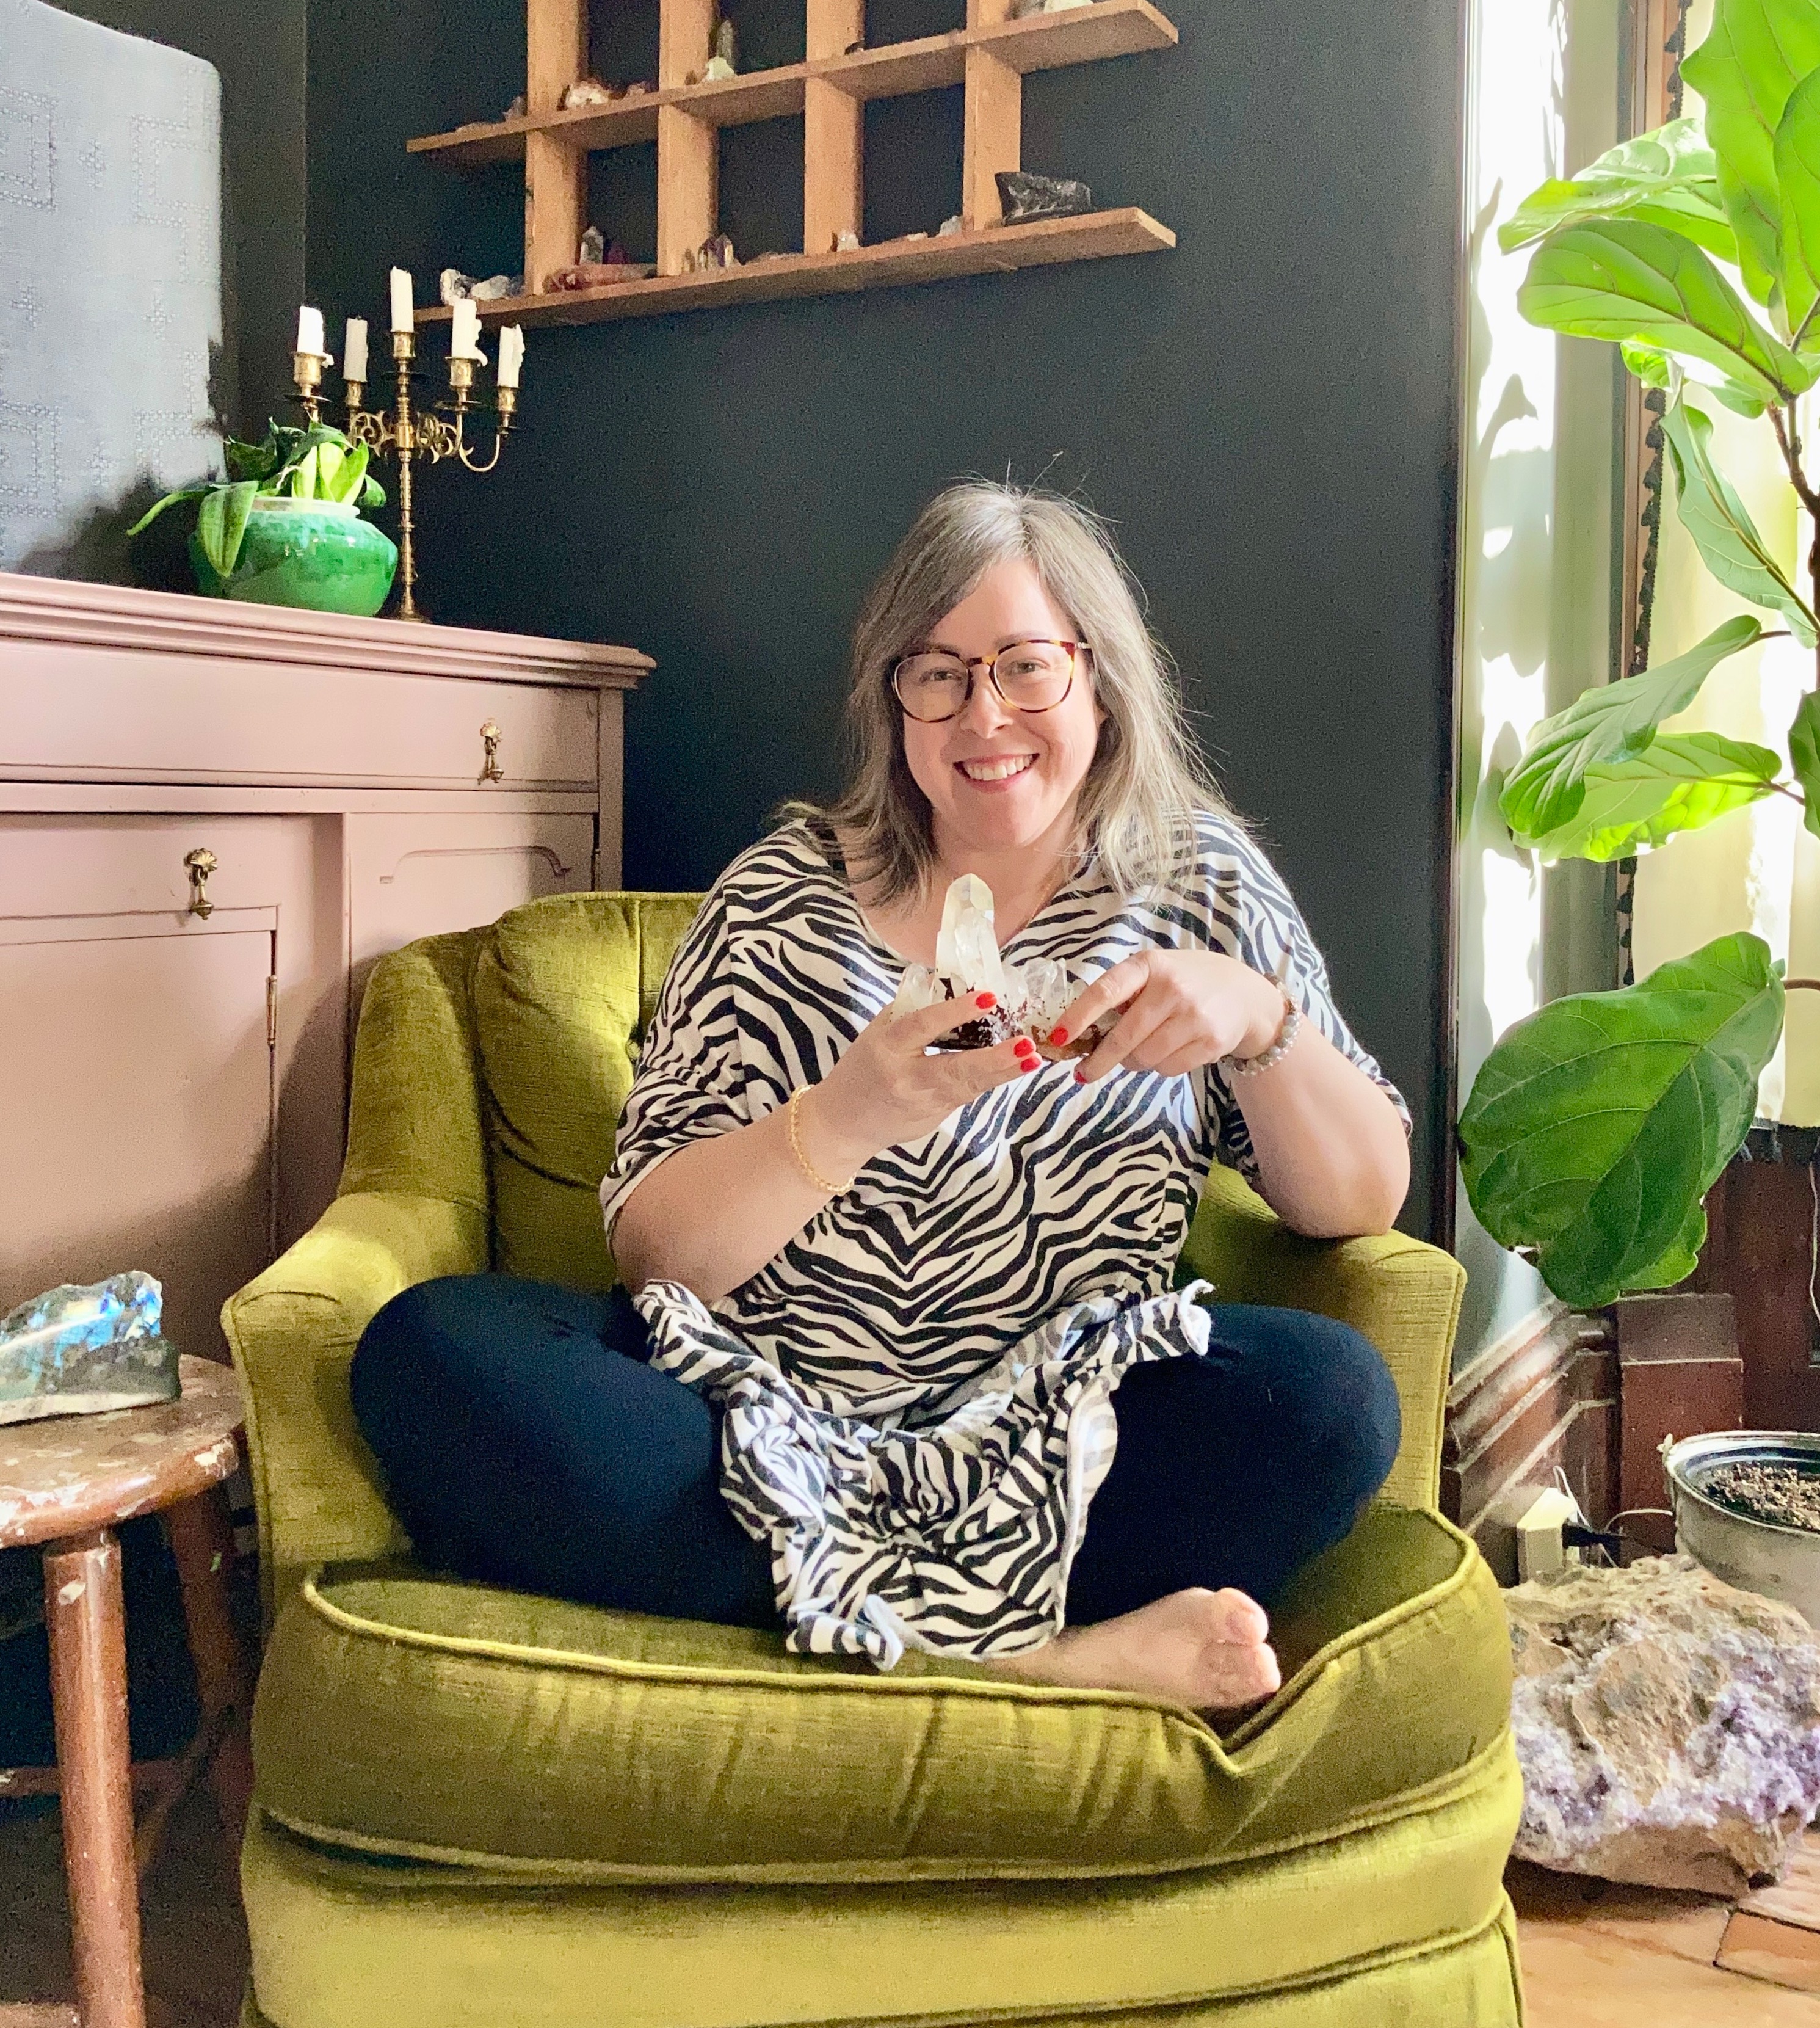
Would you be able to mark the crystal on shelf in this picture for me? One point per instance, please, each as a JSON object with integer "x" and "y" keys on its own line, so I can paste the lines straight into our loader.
{"x": 84, "y": 1350}
{"x": 592, "y": 251}
{"x": 1025, "y": 196}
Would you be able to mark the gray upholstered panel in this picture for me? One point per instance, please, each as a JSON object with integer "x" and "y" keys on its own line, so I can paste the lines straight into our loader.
{"x": 110, "y": 273}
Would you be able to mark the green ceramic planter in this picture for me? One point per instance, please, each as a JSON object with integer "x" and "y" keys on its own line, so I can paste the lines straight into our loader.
{"x": 316, "y": 554}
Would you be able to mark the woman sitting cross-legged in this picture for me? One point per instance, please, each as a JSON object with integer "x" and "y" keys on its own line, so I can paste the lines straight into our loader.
{"x": 901, "y": 1363}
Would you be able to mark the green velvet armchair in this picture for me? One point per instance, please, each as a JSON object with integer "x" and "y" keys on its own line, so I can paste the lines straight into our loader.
{"x": 478, "y": 1806}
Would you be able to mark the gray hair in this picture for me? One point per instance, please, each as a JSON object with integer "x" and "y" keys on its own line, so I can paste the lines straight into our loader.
{"x": 1148, "y": 776}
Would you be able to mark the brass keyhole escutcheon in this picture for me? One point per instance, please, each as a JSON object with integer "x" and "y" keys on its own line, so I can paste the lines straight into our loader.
{"x": 201, "y": 863}
{"x": 490, "y": 770}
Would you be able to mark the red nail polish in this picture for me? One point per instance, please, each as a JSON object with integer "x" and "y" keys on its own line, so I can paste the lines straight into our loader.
{"x": 1024, "y": 1046}
{"x": 1058, "y": 1036}
{"x": 988, "y": 1000}
{"x": 1080, "y": 1077}
{"x": 1029, "y": 1062}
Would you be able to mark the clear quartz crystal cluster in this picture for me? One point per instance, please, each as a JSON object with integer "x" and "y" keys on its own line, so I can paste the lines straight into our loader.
{"x": 77, "y": 1350}
{"x": 1032, "y": 997}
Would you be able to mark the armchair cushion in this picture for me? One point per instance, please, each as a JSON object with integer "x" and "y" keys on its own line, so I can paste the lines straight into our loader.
{"x": 563, "y": 990}
{"x": 395, "y": 1710}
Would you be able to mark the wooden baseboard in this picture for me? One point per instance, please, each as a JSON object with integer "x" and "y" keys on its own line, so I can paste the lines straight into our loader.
{"x": 1544, "y": 1395}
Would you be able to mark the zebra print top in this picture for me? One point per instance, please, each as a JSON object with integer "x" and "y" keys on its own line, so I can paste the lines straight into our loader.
{"x": 919, "y": 1385}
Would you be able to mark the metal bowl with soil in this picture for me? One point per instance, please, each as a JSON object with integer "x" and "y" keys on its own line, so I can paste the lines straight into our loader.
{"x": 1746, "y": 1508}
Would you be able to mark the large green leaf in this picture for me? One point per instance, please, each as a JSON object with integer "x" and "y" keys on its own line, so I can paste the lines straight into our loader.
{"x": 1721, "y": 528}
{"x": 1679, "y": 781}
{"x": 1804, "y": 755}
{"x": 1621, "y": 278}
{"x": 1798, "y": 176}
{"x": 1596, "y": 1125}
{"x": 170, "y": 499}
{"x": 1758, "y": 52}
{"x": 350, "y": 475}
{"x": 221, "y": 522}
{"x": 1669, "y": 177}
{"x": 1611, "y": 723}
{"x": 1697, "y": 215}
{"x": 249, "y": 460}
{"x": 1655, "y": 369}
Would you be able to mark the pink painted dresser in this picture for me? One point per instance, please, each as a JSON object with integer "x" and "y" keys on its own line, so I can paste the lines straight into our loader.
{"x": 213, "y": 817}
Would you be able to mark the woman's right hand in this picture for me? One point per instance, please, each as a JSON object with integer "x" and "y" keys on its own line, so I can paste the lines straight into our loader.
{"x": 885, "y": 1089}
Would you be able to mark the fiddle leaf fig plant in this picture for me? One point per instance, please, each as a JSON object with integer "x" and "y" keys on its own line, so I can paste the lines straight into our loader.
{"x": 315, "y": 462}
{"x": 1596, "y": 1125}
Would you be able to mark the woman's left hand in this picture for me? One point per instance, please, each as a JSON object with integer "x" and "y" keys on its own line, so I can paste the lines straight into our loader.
{"x": 1182, "y": 1009}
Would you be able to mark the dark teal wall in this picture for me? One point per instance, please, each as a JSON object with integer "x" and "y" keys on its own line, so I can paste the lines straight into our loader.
{"x": 1268, "y": 413}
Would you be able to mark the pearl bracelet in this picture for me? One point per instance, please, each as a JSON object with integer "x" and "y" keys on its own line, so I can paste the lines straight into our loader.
{"x": 802, "y": 1160}
{"x": 1267, "y": 1059}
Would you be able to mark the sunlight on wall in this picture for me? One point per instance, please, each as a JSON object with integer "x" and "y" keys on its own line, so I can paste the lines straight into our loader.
{"x": 1541, "y": 88}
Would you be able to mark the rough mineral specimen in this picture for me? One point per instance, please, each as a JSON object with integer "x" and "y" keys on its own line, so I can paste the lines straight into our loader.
{"x": 593, "y": 249}
{"x": 950, "y": 226}
{"x": 1025, "y": 196}
{"x": 1668, "y": 1726}
{"x": 1031, "y": 998}
{"x": 80, "y": 1350}
{"x": 454, "y": 287}
{"x": 845, "y": 242}
{"x": 589, "y": 91}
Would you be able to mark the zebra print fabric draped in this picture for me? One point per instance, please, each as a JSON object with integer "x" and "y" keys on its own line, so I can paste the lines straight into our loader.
{"x": 918, "y": 1387}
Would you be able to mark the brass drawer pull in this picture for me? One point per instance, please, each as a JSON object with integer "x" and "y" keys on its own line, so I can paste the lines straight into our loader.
{"x": 201, "y": 863}
{"x": 491, "y": 769}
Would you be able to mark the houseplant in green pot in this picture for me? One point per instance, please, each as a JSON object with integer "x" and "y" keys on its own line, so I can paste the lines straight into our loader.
{"x": 284, "y": 527}
{"x": 1596, "y": 1125}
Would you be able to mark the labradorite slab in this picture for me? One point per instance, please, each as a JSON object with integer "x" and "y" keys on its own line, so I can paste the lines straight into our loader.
{"x": 83, "y": 1349}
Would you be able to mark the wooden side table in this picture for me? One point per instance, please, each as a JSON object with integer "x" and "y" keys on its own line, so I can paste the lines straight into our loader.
{"x": 66, "y": 1484}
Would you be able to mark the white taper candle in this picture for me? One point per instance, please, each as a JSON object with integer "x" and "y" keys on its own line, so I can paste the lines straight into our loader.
{"x": 354, "y": 350}
{"x": 511, "y": 354}
{"x": 403, "y": 308}
{"x": 465, "y": 332}
{"x": 310, "y": 331}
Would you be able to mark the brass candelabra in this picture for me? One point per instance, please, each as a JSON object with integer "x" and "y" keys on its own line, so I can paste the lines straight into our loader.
{"x": 407, "y": 431}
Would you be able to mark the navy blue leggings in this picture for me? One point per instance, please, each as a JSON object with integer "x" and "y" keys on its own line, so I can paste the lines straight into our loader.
{"x": 527, "y": 1442}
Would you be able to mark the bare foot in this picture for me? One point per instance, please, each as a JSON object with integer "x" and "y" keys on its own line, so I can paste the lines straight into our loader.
{"x": 1208, "y": 1649}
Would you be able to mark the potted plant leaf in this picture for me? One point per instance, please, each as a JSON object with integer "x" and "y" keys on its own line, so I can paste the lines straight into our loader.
{"x": 283, "y": 528}
{"x": 1596, "y": 1125}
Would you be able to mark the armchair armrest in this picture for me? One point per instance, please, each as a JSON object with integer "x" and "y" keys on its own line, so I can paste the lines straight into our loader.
{"x": 1402, "y": 1293}
{"x": 293, "y": 1331}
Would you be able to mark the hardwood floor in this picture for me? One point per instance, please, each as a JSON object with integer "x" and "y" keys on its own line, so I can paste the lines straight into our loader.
{"x": 1599, "y": 1956}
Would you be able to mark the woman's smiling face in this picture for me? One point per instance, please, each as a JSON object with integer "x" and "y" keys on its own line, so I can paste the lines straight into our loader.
{"x": 999, "y": 779}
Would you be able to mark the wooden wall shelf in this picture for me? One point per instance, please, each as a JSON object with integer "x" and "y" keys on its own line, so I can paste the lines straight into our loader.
{"x": 996, "y": 250}
{"x": 1044, "y": 42}
{"x": 989, "y": 58}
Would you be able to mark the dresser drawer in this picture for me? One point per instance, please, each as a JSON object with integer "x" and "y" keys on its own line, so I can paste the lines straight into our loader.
{"x": 178, "y": 718}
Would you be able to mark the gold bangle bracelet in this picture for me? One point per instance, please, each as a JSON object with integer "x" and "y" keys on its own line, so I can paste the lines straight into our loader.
{"x": 803, "y": 1162}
